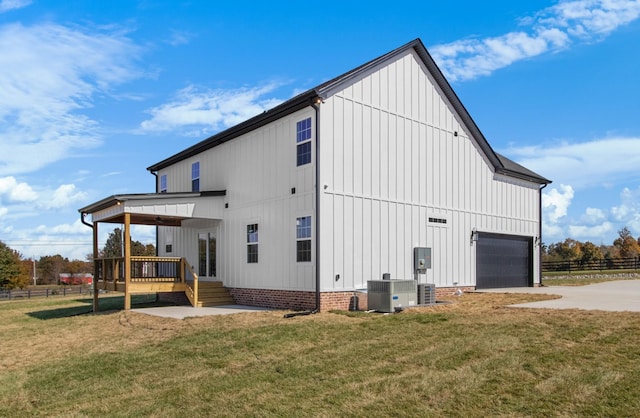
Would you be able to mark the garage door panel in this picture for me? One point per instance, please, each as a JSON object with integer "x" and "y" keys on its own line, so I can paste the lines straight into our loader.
{"x": 503, "y": 261}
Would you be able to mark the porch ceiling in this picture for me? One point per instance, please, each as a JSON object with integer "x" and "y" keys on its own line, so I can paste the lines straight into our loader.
{"x": 163, "y": 209}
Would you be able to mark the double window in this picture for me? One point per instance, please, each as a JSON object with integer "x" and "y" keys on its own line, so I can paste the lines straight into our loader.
{"x": 195, "y": 177}
{"x": 303, "y": 239}
{"x": 252, "y": 243}
{"x": 303, "y": 140}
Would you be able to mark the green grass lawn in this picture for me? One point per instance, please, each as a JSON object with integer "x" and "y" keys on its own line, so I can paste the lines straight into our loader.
{"x": 473, "y": 357}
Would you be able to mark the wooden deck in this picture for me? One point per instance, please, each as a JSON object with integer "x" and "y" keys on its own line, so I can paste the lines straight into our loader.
{"x": 157, "y": 275}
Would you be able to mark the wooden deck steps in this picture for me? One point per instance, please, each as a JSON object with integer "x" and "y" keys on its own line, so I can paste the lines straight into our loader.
{"x": 213, "y": 294}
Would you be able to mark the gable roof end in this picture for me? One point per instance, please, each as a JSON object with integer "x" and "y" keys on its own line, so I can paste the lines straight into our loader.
{"x": 325, "y": 89}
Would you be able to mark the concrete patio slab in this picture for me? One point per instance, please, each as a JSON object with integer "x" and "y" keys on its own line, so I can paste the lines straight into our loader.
{"x": 181, "y": 312}
{"x": 615, "y": 296}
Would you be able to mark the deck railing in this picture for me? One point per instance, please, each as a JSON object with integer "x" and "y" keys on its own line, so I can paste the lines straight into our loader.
{"x": 148, "y": 274}
{"x": 191, "y": 280}
{"x": 144, "y": 269}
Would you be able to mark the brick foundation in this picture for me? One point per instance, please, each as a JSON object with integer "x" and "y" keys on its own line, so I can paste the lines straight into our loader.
{"x": 297, "y": 300}
{"x": 277, "y": 299}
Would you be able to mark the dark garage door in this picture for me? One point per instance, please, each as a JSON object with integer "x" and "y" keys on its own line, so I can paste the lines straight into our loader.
{"x": 503, "y": 261}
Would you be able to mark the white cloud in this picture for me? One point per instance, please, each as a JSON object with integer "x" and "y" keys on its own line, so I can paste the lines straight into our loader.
{"x": 64, "y": 196}
{"x": 598, "y": 225}
{"x": 6, "y": 5}
{"x": 584, "y": 164}
{"x": 580, "y": 232}
{"x": 628, "y": 212}
{"x": 204, "y": 111}
{"x": 555, "y": 203}
{"x": 48, "y": 75}
{"x": 552, "y": 29}
{"x": 74, "y": 228}
{"x": 593, "y": 216}
{"x": 16, "y": 192}
{"x": 72, "y": 240}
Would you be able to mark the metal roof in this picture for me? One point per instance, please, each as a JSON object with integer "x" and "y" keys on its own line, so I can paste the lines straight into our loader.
{"x": 513, "y": 169}
{"x": 121, "y": 198}
{"x": 328, "y": 88}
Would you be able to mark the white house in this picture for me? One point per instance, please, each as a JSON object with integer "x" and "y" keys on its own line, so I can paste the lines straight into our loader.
{"x": 301, "y": 205}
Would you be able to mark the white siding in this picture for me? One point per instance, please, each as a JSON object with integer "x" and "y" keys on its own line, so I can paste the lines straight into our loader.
{"x": 258, "y": 170}
{"x": 392, "y": 157}
{"x": 393, "y": 154}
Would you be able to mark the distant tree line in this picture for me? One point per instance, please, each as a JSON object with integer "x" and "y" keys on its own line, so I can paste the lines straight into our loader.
{"x": 17, "y": 272}
{"x": 625, "y": 246}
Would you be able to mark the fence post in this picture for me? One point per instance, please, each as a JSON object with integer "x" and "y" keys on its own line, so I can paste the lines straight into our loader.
{"x": 29, "y": 294}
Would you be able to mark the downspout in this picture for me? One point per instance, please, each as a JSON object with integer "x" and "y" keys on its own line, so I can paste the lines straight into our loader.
{"x": 82, "y": 215}
{"x": 540, "y": 234}
{"x": 314, "y": 104}
{"x": 155, "y": 174}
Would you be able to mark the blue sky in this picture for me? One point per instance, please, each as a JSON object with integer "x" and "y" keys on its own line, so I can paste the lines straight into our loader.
{"x": 93, "y": 92}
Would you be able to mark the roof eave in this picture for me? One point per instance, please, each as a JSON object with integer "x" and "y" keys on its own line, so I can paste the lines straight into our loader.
{"x": 521, "y": 176}
{"x": 117, "y": 199}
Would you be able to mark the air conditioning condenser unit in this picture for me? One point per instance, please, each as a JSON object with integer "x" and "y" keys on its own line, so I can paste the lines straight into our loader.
{"x": 426, "y": 294}
{"x": 387, "y": 295}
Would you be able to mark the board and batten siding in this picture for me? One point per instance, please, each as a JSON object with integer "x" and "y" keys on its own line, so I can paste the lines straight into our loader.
{"x": 258, "y": 170}
{"x": 392, "y": 155}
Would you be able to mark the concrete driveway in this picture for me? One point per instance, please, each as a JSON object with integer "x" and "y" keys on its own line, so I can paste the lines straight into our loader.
{"x": 617, "y": 296}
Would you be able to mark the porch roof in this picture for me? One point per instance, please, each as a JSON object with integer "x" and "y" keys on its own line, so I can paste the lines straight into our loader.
{"x": 165, "y": 209}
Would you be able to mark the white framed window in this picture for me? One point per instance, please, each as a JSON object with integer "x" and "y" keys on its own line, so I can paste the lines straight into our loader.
{"x": 252, "y": 243}
{"x": 303, "y": 140}
{"x": 195, "y": 177}
{"x": 303, "y": 239}
{"x": 163, "y": 183}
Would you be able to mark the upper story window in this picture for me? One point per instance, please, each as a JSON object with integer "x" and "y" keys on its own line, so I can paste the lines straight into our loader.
{"x": 195, "y": 177}
{"x": 303, "y": 139}
{"x": 252, "y": 243}
{"x": 163, "y": 183}
{"x": 303, "y": 238}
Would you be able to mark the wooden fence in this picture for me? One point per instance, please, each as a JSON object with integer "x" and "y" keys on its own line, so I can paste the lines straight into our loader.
{"x": 631, "y": 263}
{"x": 9, "y": 294}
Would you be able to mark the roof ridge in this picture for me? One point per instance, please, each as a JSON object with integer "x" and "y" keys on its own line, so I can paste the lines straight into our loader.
{"x": 307, "y": 97}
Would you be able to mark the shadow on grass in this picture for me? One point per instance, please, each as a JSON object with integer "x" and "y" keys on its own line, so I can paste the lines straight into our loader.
{"x": 105, "y": 304}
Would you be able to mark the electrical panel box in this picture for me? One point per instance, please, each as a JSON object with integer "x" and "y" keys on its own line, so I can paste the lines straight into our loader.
{"x": 421, "y": 259}
{"x": 387, "y": 295}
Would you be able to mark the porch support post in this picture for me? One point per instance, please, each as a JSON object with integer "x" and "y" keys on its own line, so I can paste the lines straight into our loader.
{"x": 95, "y": 267}
{"x": 127, "y": 260}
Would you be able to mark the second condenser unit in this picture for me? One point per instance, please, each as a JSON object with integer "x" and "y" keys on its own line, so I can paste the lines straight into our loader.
{"x": 426, "y": 294}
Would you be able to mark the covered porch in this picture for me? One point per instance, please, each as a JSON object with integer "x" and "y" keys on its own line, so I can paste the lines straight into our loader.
{"x": 152, "y": 274}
